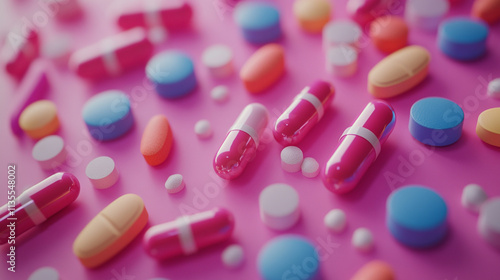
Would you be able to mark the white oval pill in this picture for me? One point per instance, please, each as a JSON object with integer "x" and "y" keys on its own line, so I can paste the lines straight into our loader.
{"x": 489, "y": 221}
{"x": 203, "y": 129}
{"x": 342, "y": 60}
{"x": 291, "y": 158}
{"x": 175, "y": 183}
{"x": 341, "y": 32}
{"x": 279, "y": 206}
{"x": 494, "y": 88}
{"x": 233, "y": 256}
{"x": 310, "y": 167}
{"x": 219, "y": 60}
{"x": 49, "y": 152}
{"x": 44, "y": 273}
{"x": 335, "y": 220}
{"x": 362, "y": 239}
{"x": 473, "y": 196}
{"x": 219, "y": 93}
{"x": 102, "y": 172}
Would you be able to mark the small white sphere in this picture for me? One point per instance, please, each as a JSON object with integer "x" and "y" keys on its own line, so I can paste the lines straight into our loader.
{"x": 44, "y": 273}
{"x": 175, "y": 183}
{"x": 219, "y": 93}
{"x": 494, "y": 88}
{"x": 473, "y": 196}
{"x": 233, "y": 256}
{"x": 203, "y": 129}
{"x": 335, "y": 220}
{"x": 291, "y": 159}
{"x": 362, "y": 239}
{"x": 310, "y": 167}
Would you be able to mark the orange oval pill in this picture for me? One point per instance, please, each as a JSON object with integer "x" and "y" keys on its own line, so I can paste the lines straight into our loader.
{"x": 39, "y": 119}
{"x": 111, "y": 230}
{"x": 488, "y": 126}
{"x": 487, "y": 10}
{"x": 156, "y": 140}
{"x": 375, "y": 270}
{"x": 263, "y": 68}
{"x": 389, "y": 33}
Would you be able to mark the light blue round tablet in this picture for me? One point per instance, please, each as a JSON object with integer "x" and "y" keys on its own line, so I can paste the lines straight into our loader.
{"x": 417, "y": 216}
{"x": 288, "y": 256}
{"x": 463, "y": 38}
{"x": 436, "y": 121}
{"x": 172, "y": 73}
{"x": 108, "y": 115}
{"x": 259, "y": 22}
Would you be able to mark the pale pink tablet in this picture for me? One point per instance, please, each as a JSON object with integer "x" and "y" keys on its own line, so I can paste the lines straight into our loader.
{"x": 49, "y": 152}
{"x": 102, "y": 172}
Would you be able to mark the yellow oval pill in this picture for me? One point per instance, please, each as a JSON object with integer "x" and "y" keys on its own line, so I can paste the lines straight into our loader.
{"x": 312, "y": 15}
{"x": 39, "y": 119}
{"x": 488, "y": 126}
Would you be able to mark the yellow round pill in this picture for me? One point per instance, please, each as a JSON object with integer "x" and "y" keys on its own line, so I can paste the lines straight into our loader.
{"x": 39, "y": 119}
{"x": 312, "y": 15}
{"x": 488, "y": 126}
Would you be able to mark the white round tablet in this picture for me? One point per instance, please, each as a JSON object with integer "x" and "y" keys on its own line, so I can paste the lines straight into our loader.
{"x": 489, "y": 221}
{"x": 279, "y": 206}
{"x": 219, "y": 60}
{"x": 44, "y": 273}
{"x": 473, "y": 196}
{"x": 49, "y": 152}
{"x": 291, "y": 158}
{"x": 341, "y": 32}
{"x": 362, "y": 239}
{"x": 494, "y": 88}
{"x": 426, "y": 14}
{"x": 203, "y": 129}
{"x": 175, "y": 183}
{"x": 341, "y": 60}
{"x": 219, "y": 93}
{"x": 335, "y": 220}
{"x": 233, "y": 256}
{"x": 310, "y": 167}
{"x": 102, "y": 172}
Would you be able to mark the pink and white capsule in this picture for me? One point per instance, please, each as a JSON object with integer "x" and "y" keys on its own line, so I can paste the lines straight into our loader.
{"x": 113, "y": 55}
{"x": 304, "y": 113}
{"x": 19, "y": 54}
{"x": 359, "y": 147}
{"x": 242, "y": 140}
{"x": 187, "y": 234}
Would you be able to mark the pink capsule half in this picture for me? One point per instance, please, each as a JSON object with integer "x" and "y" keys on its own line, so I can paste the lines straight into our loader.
{"x": 18, "y": 53}
{"x": 242, "y": 140}
{"x": 359, "y": 147}
{"x": 187, "y": 234}
{"x": 304, "y": 113}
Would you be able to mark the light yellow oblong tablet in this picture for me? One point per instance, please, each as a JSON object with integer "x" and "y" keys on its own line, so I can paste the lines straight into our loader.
{"x": 399, "y": 72}
{"x": 312, "y": 15}
{"x": 488, "y": 126}
{"x": 39, "y": 119}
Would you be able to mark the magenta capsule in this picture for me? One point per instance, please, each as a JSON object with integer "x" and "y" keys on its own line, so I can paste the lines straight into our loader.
{"x": 304, "y": 113}
{"x": 18, "y": 55}
{"x": 37, "y": 204}
{"x": 242, "y": 140}
{"x": 365, "y": 11}
{"x": 113, "y": 55}
{"x": 187, "y": 234}
{"x": 359, "y": 147}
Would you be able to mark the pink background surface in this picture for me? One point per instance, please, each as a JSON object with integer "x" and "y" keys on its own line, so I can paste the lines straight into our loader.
{"x": 464, "y": 255}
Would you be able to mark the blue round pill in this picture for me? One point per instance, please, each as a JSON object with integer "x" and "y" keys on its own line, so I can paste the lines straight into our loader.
{"x": 172, "y": 73}
{"x": 259, "y": 22}
{"x": 417, "y": 216}
{"x": 288, "y": 257}
{"x": 108, "y": 115}
{"x": 463, "y": 38}
{"x": 436, "y": 121}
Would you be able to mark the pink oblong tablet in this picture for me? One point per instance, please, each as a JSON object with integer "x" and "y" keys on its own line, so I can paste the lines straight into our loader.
{"x": 264, "y": 68}
{"x": 156, "y": 140}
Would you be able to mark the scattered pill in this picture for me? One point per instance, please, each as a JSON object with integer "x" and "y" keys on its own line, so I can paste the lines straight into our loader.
{"x": 203, "y": 129}
{"x": 312, "y": 15}
{"x": 463, "y": 38}
{"x": 57, "y": 49}
{"x": 219, "y": 60}
{"x": 386, "y": 78}
{"x": 175, "y": 183}
{"x": 291, "y": 158}
{"x": 279, "y": 206}
{"x": 494, "y": 88}
{"x": 45, "y": 273}
{"x": 362, "y": 239}
{"x": 417, "y": 216}
{"x": 233, "y": 256}
{"x": 39, "y": 119}
{"x": 187, "y": 234}
{"x": 259, "y": 22}
{"x": 489, "y": 221}
{"x": 156, "y": 141}
{"x": 364, "y": 11}
{"x": 310, "y": 167}
{"x": 341, "y": 60}
{"x": 433, "y": 116}
{"x": 18, "y": 57}
{"x": 335, "y": 220}
{"x": 487, "y": 10}
{"x": 473, "y": 196}
{"x": 219, "y": 93}
{"x": 264, "y": 68}
{"x": 375, "y": 270}
{"x": 106, "y": 110}
{"x": 172, "y": 73}
{"x": 389, "y": 33}
{"x": 102, "y": 172}
{"x": 111, "y": 230}
{"x": 488, "y": 126}
{"x": 278, "y": 257}
{"x": 49, "y": 152}
{"x": 426, "y": 14}
{"x": 341, "y": 32}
